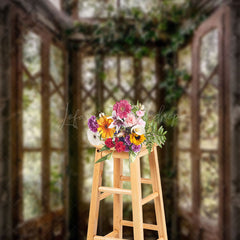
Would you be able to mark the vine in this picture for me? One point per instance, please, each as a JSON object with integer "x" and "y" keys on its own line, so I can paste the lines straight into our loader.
{"x": 131, "y": 31}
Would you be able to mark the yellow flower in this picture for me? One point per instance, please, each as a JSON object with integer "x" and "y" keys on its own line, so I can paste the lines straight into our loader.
{"x": 104, "y": 129}
{"x": 137, "y": 139}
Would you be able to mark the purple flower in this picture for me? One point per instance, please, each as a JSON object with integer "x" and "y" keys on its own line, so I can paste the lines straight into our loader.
{"x": 127, "y": 140}
{"x": 126, "y": 148}
{"x": 136, "y": 148}
{"x": 92, "y": 124}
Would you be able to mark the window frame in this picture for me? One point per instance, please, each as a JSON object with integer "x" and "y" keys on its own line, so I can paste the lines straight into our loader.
{"x": 200, "y": 226}
{"x": 49, "y": 222}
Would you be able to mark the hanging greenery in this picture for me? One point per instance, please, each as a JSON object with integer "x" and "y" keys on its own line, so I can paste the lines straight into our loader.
{"x": 134, "y": 32}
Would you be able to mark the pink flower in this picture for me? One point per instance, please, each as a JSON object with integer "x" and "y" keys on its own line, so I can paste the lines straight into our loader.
{"x": 140, "y": 113}
{"x": 141, "y": 122}
{"x": 122, "y": 108}
{"x": 130, "y": 120}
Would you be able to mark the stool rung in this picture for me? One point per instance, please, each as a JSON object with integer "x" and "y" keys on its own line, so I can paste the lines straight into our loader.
{"x": 115, "y": 190}
{"x": 112, "y": 234}
{"x": 145, "y": 225}
{"x": 107, "y": 238}
{"x": 104, "y": 195}
{"x": 149, "y": 198}
{"x": 143, "y": 180}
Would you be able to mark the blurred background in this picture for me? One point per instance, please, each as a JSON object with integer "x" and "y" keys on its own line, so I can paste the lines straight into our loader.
{"x": 65, "y": 60}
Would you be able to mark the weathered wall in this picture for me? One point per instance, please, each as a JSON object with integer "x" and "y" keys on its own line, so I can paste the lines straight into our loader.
{"x": 5, "y": 197}
{"x": 235, "y": 120}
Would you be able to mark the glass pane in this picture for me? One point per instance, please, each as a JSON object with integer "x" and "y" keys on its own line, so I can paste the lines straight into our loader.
{"x": 108, "y": 173}
{"x": 108, "y": 106}
{"x": 31, "y": 108}
{"x": 111, "y": 80}
{"x": 88, "y": 164}
{"x": 127, "y": 73}
{"x": 145, "y": 6}
{"x": 31, "y": 185}
{"x": 209, "y": 53}
{"x": 89, "y": 110}
{"x": 122, "y": 87}
{"x": 93, "y": 8}
{"x": 56, "y": 64}
{"x": 56, "y": 180}
{"x": 126, "y": 185}
{"x": 149, "y": 84}
{"x": 88, "y": 72}
{"x": 209, "y": 126}
{"x": 184, "y": 179}
{"x": 184, "y": 122}
{"x": 145, "y": 173}
{"x": 209, "y": 185}
{"x": 31, "y": 52}
{"x": 57, "y": 112}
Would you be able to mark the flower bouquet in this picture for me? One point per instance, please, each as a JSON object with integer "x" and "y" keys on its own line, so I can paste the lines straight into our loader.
{"x": 126, "y": 130}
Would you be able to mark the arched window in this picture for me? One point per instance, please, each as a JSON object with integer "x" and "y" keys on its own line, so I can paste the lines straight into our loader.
{"x": 202, "y": 167}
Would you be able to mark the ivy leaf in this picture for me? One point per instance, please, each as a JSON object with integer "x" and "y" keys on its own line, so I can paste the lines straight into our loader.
{"x": 106, "y": 157}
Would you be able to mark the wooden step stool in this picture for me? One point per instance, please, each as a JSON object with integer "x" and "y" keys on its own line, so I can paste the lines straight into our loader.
{"x": 100, "y": 192}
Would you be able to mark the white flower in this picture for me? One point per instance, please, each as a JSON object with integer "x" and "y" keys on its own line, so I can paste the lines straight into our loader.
{"x": 138, "y": 129}
{"x": 94, "y": 138}
{"x": 114, "y": 114}
{"x": 141, "y": 122}
{"x": 117, "y": 121}
{"x": 101, "y": 114}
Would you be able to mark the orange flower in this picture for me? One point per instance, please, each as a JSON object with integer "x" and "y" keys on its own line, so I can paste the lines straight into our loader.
{"x": 104, "y": 129}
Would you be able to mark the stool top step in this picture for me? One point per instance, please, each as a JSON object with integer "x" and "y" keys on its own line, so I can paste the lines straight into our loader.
{"x": 124, "y": 155}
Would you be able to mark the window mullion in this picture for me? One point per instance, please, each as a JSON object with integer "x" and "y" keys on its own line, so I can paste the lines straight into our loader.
{"x": 45, "y": 128}
{"x": 99, "y": 81}
{"x": 137, "y": 79}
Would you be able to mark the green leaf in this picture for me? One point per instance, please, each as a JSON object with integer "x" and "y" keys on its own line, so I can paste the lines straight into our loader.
{"x": 107, "y": 157}
{"x": 104, "y": 148}
{"x": 150, "y": 146}
{"x": 132, "y": 156}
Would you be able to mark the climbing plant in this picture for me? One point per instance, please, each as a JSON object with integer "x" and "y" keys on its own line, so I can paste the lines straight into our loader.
{"x": 137, "y": 33}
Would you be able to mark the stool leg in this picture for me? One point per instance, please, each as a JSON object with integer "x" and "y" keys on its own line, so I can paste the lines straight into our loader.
{"x": 158, "y": 202}
{"x": 94, "y": 205}
{"x": 117, "y": 198}
{"x": 137, "y": 200}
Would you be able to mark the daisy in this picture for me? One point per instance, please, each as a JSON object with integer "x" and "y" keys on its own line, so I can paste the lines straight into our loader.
{"x": 94, "y": 138}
